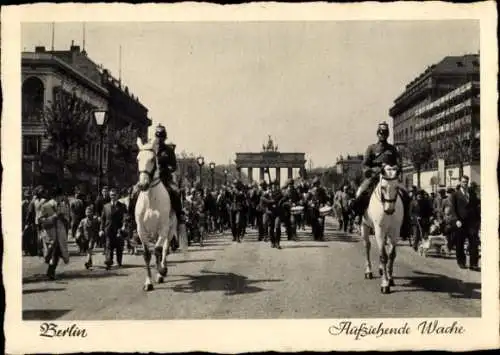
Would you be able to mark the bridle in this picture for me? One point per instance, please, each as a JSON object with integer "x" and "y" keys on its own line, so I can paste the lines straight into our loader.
{"x": 151, "y": 174}
{"x": 382, "y": 197}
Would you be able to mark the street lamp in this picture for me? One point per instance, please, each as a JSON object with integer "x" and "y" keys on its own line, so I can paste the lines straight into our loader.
{"x": 212, "y": 168}
{"x": 225, "y": 176}
{"x": 100, "y": 119}
{"x": 201, "y": 162}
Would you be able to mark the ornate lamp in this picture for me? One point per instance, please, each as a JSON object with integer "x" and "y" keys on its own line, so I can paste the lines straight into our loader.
{"x": 201, "y": 161}
{"x": 100, "y": 119}
{"x": 212, "y": 168}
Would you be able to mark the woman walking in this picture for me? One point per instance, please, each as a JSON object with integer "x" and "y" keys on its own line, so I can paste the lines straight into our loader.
{"x": 54, "y": 226}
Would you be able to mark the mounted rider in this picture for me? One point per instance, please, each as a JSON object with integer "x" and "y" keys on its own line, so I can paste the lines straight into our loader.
{"x": 377, "y": 155}
{"x": 167, "y": 165}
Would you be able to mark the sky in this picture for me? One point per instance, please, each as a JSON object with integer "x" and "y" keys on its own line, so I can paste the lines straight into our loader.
{"x": 223, "y": 87}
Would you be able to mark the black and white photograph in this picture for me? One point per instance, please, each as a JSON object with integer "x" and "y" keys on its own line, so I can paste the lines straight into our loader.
{"x": 256, "y": 170}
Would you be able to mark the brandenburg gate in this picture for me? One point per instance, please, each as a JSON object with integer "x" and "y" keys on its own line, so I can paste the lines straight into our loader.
{"x": 270, "y": 158}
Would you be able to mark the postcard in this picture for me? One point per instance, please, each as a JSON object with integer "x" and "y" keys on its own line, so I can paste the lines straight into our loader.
{"x": 256, "y": 177}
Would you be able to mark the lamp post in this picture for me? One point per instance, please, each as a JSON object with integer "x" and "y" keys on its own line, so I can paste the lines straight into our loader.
{"x": 100, "y": 119}
{"x": 225, "y": 177}
{"x": 201, "y": 161}
{"x": 212, "y": 168}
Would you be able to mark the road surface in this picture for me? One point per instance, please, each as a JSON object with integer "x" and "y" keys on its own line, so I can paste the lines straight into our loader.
{"x": 306, "y": 279}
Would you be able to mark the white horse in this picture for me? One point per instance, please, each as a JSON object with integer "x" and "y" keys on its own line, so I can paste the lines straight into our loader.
{"x": 154, "y": 216}
{"x": 384, "y": 216}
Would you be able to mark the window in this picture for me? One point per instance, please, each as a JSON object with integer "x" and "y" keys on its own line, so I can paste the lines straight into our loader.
{"x": 32, "y": 145}
{"x": 32, "y": 99}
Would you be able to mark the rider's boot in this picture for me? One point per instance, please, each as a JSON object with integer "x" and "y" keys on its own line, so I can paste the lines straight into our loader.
{"x": 406, "y": 225}
{"x": 358, "y": 205}
{"x": 176, "y": 202}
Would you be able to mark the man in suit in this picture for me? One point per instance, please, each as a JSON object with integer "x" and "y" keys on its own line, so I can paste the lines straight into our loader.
{"x": 77, "y": 213}
{"x": 344, "y": 201}
{"x": 112, "y": 218}
{"x": 99, "y": 203}
{"x": 467, "y": 219}
{"x": 238, "y": 208}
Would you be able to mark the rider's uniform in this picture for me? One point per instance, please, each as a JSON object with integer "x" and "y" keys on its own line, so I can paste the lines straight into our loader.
{"x": 376, "y": 155}
{"x": 277, "y": 213}
{"x": 238, "y": 203}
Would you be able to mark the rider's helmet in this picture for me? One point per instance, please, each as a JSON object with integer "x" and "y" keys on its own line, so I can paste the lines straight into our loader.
{"x": 161, "y": 132}
{"x": 383, "y": 129}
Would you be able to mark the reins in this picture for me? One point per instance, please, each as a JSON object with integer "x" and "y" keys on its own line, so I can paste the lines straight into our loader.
{"x": 151, "y": 174}
{"x": 381, "y": 195}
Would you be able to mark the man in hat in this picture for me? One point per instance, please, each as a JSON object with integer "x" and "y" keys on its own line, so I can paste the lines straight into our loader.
{"x": 293, "y": 198}
{"x": 376, "y": 156}
{"x": 167, "y": 165}
{"x": 112, "y": 218}
{"x": 260, "y": 209}
{"x": 319, "y": 198}
{"x": 33, "y": 216}
{"x": 277, "y": 213}
{"x": 77, "y": 213}
{"x": 238, "y": 207}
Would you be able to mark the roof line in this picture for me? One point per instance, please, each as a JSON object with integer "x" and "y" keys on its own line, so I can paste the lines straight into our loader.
{"x": 50, "y": 57}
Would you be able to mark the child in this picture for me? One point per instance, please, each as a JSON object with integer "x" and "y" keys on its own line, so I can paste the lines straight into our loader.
{"x": 88, "y": 233}
{"x": 435, "y": 228}
{"x": 125, "y": 233}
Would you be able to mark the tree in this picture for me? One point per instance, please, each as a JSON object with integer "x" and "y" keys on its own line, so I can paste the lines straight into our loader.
{"x": 124, "y": 151}
{"x": 124, "y": 143}
{"x": 462, "y": 148}
{"x": 419, "y": 152}
{"x": 68, "y": 126}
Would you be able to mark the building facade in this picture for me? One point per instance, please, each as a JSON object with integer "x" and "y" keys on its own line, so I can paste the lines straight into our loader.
{"x": 438, "y": 104}
{"x": 49, "y": 76}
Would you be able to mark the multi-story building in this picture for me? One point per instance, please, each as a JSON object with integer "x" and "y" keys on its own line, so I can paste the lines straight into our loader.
{"x": 49, "y": 75}
{"x": 420, "y": 98}
{"x": 452, "y": 124}
{"x": 126, "y": 114}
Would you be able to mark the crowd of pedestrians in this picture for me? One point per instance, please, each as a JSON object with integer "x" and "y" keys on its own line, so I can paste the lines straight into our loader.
{"x": 50, "y": 217}
{"x": 454, "y": 213}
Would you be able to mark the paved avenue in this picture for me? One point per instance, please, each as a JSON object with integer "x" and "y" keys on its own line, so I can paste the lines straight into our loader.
{"x": 223, "y": 280}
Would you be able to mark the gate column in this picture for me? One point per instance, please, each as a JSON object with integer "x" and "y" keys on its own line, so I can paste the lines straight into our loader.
{"x": 290, "y": 173}
{"x": 261, "y": 174}
{"x": 250, "y": 174}
{"x": 278, "y": 175}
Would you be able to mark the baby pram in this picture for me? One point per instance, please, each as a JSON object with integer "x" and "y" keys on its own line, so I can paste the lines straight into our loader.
{"x": 434, "y": 241}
